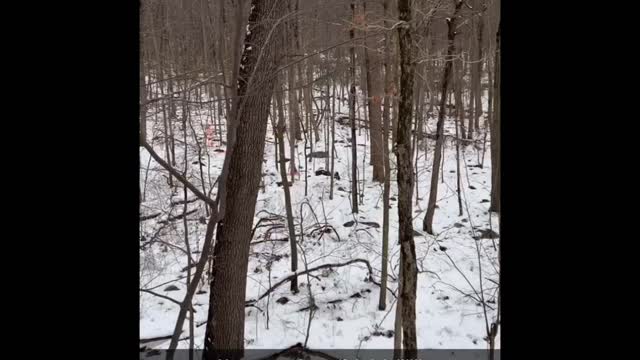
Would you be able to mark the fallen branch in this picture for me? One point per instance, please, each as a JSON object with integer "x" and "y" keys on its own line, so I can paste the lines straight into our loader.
{"x": 297, "y": 351}
{"x": 177, "y": 217}
{"x": 164, "y": 243}
{"x": 180, "y": 202}
{"x": 324, "y": 266}
{"x": 165, "y": 283}
{"x": 270, "y": 240}
{"x": 164, "y": 297}
{"x": 274, "y": 218}
{"x": 158, "y": 338}
{"x": 148, "y": 217}
{"x": 188, "y": 267}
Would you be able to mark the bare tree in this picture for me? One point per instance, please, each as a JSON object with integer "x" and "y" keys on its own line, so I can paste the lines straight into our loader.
{"x": 437, "y": 157}
{"x": 495, "y": 132}
{"x": 352, "y": 115}
{"x": 382, "y": 304}
{"x": 287, "y": 194}
{"x": 219, "y": 62}
{"x": 260, "y": 58}
{"x": 374, "y": 100}
{"x": 405, "y": 181}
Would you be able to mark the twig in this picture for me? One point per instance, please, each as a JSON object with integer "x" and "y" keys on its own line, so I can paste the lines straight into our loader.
{"x": 178, "y": 176}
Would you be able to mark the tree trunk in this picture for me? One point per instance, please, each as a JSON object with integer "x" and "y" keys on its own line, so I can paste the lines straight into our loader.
{"x": 417, "y": 88}
{"x": 397, "y": 326}
{"x": 332, "y": 147}
{"x": 143, "y": 108}
{"x": 352, "y": 118}
{"x": 459, "y": 111}
{"x": 374, "y": 92}
{"x": 382, "y": 304}
{"x": 437, "y": 157}
{"x": 478, "y": 65}
{"x": 236, "y": 47}
{"x": 405, "y": 181}
{"x": 495, "y": 132}
{"x": 285, "y": 187}
{"x": 261, "y": 54}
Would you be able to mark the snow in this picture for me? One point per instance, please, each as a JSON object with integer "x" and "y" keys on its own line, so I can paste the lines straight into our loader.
{"x": 445, "y": 318}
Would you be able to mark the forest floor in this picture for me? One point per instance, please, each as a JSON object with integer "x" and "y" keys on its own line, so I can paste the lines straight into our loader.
{"x": 453, "y": 266}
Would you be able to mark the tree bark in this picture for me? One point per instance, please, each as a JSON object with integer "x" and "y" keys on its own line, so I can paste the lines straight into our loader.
{"x": 495, "y": 132}
{"x": 332, "y": 147}
{"x": 397, "y": 326}
{"x": 143, "y": 108}
{"x": 294, "y": 117}
{"x": 374, "y": 97}
{"x": 459, "y": 111}
{"x": 382, "y": 304}
{"x": 437, "y": 157}
{"x": 352, "y": 118}
{"x": 478, "y": 65}
{"x": 260, "y": 58}
{"x": 287, "y": 194}
{"x": 405, "y": 181}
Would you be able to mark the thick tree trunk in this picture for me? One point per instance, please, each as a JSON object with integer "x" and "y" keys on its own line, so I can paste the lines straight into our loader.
{"x": 437, "y": 157}
{"x": 260, "y": 58}
{"x": 405, "y": 181}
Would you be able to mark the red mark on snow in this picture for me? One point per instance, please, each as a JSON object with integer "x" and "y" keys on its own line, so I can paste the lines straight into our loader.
{"x": 211, "y": 131}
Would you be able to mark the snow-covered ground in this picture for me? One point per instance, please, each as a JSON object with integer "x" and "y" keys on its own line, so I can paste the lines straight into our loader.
{"x": 449, "y": 278}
